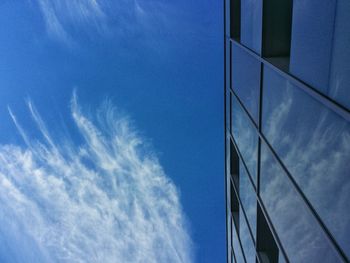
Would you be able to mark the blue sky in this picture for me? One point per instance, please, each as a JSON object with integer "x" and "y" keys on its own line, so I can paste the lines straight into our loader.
{"x": 154, "y": 65}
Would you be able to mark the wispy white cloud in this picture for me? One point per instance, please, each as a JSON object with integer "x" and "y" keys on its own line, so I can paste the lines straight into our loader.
{"x": 54, "y": 26}
{"x": 122, "y": 18}
{"x": 106, "y": 200}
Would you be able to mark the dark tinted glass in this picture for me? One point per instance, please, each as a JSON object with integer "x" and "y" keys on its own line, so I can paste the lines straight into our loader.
{"x": 227, "y": 13}
{"x": 235, "y": 17}
{"x": 300, "y": 234}
{"x": 266, "y": 244}
{"x": 245, "y": 136}
{"x": 248, "y": 198}
{"x": 277, "y": 19}
{"x": 312, "y": 32}
{"x": 314, "y": 144}
{"x": 251, "y": 24}
{"x": 246, "y": 80}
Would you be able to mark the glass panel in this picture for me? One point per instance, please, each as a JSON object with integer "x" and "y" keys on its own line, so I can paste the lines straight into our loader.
{"x": 246, "y": 239}
{"x": 229, "y": 231}
{"x": 234, "y": 164}
{"x": 300, "y": 235}
{"x": 277, "y": 22}
{"x": 281, "y": 259}
{"x": 246, "y": 80}
{"x": 266, "y": 243}
{"x": 251, "y": 24}
{"x": 314, "y": 144}
{"x": 235, "y": 207}
{"x": 312, "y": 41}
{"x": 227, "y": 13}
{"x": 245, "y": 136}
{"x": 248, "y": 198}
{"x": 235, "y": 17}
{"x": 228, "y": 63}
{"x": 228, "y": 111}
{"x": 340, "y": 71}
{"x": 236, "y": 246}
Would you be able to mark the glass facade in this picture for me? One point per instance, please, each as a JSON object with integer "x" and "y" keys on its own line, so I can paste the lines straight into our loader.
{"x": 287, "y": 130}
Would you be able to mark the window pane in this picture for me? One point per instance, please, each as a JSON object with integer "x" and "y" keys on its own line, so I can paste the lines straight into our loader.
{"x": 248, "y": 198}
{"x": 251, "y": 24}
{"x": 340, "y": 72}
{"x": 277, "y": 22}
{"x": 227, "y": 22}
{"x": 228, "y": 110}
{"x": 246, "y": 239}
{"x": 246, "y": 79}
{"x": 300, "y": 234}
{"x": 236, "y": 247}
{"x": 312, "y": 41}
{"x": 266, "y": 243}
{"x": 246, "y": 137}
{"x": 314, "y": 144}
{"x": 235, "y": 18}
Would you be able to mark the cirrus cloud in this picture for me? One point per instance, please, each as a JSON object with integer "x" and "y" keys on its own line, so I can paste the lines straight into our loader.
{"x": 106, "y": 199}
{"x": 125, "y": 19}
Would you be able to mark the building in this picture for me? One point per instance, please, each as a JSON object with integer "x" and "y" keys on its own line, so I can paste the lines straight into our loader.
{"x": 287, "y": 130}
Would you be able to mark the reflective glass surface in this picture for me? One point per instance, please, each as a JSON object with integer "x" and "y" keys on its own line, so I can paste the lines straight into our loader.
{"x": 236, "y": 246}
{"x": 314, "y": 144}
{"x": 281, "y": 258}
{"x": 245, "y": 136}
{"x": 311, "y": 43}
{"x": 246, "y": 239}
{"x": 300, "y": 234}
{"x": 251, "y": 24}
{"x": 340, "y": 71}
{"x": 246, "y": 80}
{"x": 248, "y": 198}
{"x": 228, "y": 110}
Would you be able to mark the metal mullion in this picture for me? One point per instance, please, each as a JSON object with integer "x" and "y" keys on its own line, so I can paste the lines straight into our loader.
{"x": 274, "y": 233}
{"x": 234, "y": 256}
{"x": 230, "y": 88}
{"x": 261, "y": 91}
{"x": 259, "y": 146}
{"x": 314, "y": 93}
{"x": 231, "y": 246}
